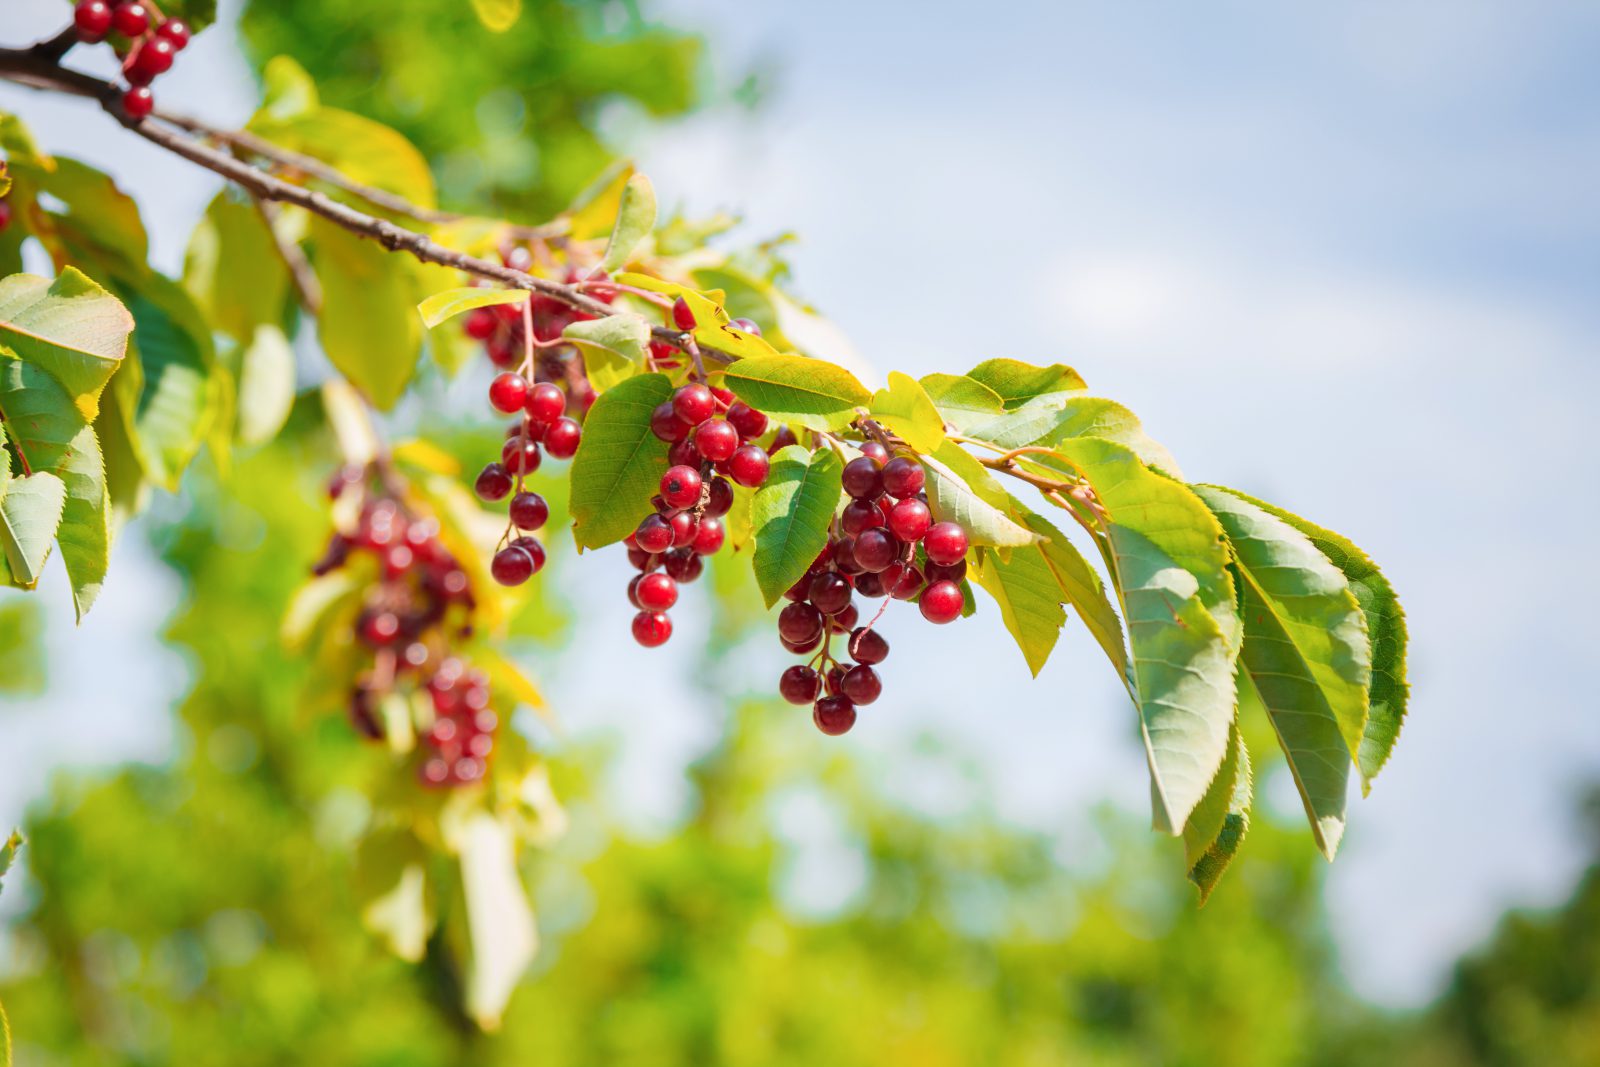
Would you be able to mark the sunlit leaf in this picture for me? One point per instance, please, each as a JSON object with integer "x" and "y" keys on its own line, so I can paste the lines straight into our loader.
{"x": 635, "y": 219}
{"x": 499, "y": 917}
{"x": 368, "y": 327}
{"x": 1029, "y": 597}
{"x": 70, "y": 327}
{"x": 799, "y": 391}
{"x": 619, "y": 463}
{"x": 905, "y": 408}
{"x": 960, "y": 489}
{"x": 266, "y": 386}
{"x": 29, "y": 515}
{"x": 791, "y": 513}
{"x": 498, "y": 16}
{"x": 441, "y": 307}
{"x": 1084, "y": 591}
{"x": 1228, "y": 811}
{"x": 1015, "y": 382}
{"x": 233, "y": 269}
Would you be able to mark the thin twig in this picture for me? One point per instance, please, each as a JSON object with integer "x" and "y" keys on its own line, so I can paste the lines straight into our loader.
{"x": 301, "y": 274}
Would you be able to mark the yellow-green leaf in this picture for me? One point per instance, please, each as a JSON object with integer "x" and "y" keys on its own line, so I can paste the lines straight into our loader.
{"x": 441, "y": 307}
{"x": 791, "y": 513}
{"x": 799, "y": 391}
{"x": 498, "y": 16}
{"x": 906, "y": 408}
{"x": 635, "y": 219}
{"x": 70, "y": 327}
{"x": 619, "y": 463}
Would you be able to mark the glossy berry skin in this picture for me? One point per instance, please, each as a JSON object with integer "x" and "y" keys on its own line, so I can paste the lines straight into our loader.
{"x": 875, "y": 550}
{"x": 154, "y": 58}
{"x": 955, "y": 572}
{"x": 708, "y": 540}
{"x": 654, "y": 534}
{"x": 508, "y": 392}
{"x": 494, "y": 483}
{"x": 781, "y": 440}
{"x": 529, "y": 511}
{"x": 800, "y": 685}
{"x": 859, "y": 515}
{"x": 684, "y": 454}
{"x": 716, "y": 440}
{"x": 561, "y": 440}
{"x": 685, "y": 528}
{"x": 749, "y": 465}
{"x": 870, "y": 585}
{"x": 902, "y": 581}
{"x": 665, "y": 424}
{"x": 829, "y": 593}
{"x": 861, "y": 685}
{"x": 682, "y": 317}
{"x": 639, "y": 559}
{"x": 845, "y": 621}
{"x": 747, "y": 420}
{"x": 534, "y": 549}
{"x": 176, "y": 31}
{"x": 652, "y": 628}
{"x": 92, "y": 19}
{"x": 902, "y": 477}
{"x": 139, "y": 102}
{"x": 941, "y": 602}
{"x": 831, "y": 680}
{"x": 910, "y": 520}
{"x": 694, "y": 404}
{"x": 945, "y": 543}
{"x": 868, "y": 646}
{"x": 546, "y": 403}
{"x": 862, "y": 479}
{"x": 683, "y": 565}
{"x": 511, "y": 565}
{"x": 130, "y": 19}
{"x": 747, "y": 325}
{"x": 680, "y": 487}
{"x": 520, "y": 456}
{"x": 656, "y": 592}
{"x": 720, "y": 500}
{"x": 834, "y": 715}
{"x": 875, "y": 452}
{"x": 844, "y": 556}
{"x": 799, "y": 623}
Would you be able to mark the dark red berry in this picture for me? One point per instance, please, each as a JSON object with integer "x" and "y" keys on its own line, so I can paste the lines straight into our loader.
{"x": 131, "y": 19}
{"x": 656, "y": 592}
{"x": 749, "y": 465}
{"x": 799, "y": 623}
{"x": 684, "y": 565}
{"x": 138, "y": 102}
{"x": 176, "y": 31}
{"x": 862, "y": 478}
{"x": 941, "y": 602}
{"x": 710, "y": 537}
{"x": 834, "y": 715}
{"x": 720, "y": 500}
{"x": 902, "y": 477}
{"x": 800, "y": 685}
{"x": 868, "y": 646}
{"x": 859, "y": 515}
{"x": 682, "y": 316}
{"x": 479, "y": 324}
{"x": 955, "y": 572}
{"x": 716, "y": 440}
{"x": 844, "y": 556}
{"x": 561, "y": 440}
{"x": 494, "y": 483}
{"x": 870, "y": 585}
{"x": 508, "y": 392}
{"x": 652, "y": 628}
{"x": 665, "y": 424}
{"x": 747, "y": 325}
{"x": 529, "y": 511}
{"x": 644, "y": 561}
{"x": 545, "y": 403}
{"x": 92, "y": 19}
{"x": 654, "y": 534}
{"x": 802, "y": 647}
{"x": 153, "y": 59}
{"x": 380, "y": 628}
{"x": 685, "y": 528}
{"x": 520, "y": 456}
{"x": 875, "y": 550}
{"x": 680, "y": 487}
{"x": 684, "y": 454}
{"x": 902, "y": 581}
{"x": 747, "y": 420}
{"x": 633, "y": 590}
{"x": 694, "y": 403}
{"x": 910, "y": 520}
{"x": 831, "y": 680}
{"x": 861, "y": 684}
{"x": 945, "y": 543}
{"x": 534, "y": 549}
{"x": 829, "y": 593}
{"x": 875, "y": 452}
{"x": 511, "y": 565}
{"x": 845, "y": 621}
{"x": 502, "y": 353}
{"x": 781, "y": 440}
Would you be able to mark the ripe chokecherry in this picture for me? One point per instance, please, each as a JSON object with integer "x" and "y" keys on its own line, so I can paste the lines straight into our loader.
{"x": 902, "y": 477}
{"x": 749, "y": 465}
{"x": 747, "y": 420}
{"x": 910, "y": 520}
{"x": 665, "y": 424}
{"x": 153, "y": 58}
{"x": 138, "y": 102}
{"x": 682, "y": 315}
{"x": 862, "y": 479}
{"x": 655, "y": 592}
{"x": 680, "y": 487}
{"x": 652, "y": 628}
{"x": 512, "y": 565}
{"x": 508, "y": 392}
{"x": 494, "y": 482}
{"x": 131, "y": 18}
{"x": 861, "y": 684}
{"x": 92, "y": 20}
{"x": 941, "y": 602}
{"x": 177, "y": 31}
{"x": 834, "y": 715}
{"x": 945, "y": 543}
{"x": 875, "y": 550}
{"x": 520, "y": 455}
{"x": 654, "y": 534}
{"x": 868, "y": 646}
{"x": 545, "y": 403}
{"x": 799, "y": 623}
{"x": 529, "y": 511}
{"x": 800, "y": 685}
{"x": 694, "y": 404}
{"x": 717, "y": 440}
{"x": 561, "y": 440}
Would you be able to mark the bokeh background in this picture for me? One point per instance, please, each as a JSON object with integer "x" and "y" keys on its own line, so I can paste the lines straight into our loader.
{"x": 1341, "y": 256}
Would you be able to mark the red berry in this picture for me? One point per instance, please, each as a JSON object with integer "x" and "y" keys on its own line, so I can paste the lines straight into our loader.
{"x": 870, "y": 585}
{"x": 680, "y": 487}
{"x": 642, "y": 560}
{"x": 834, "y": 715}
{"x": 131, "y": 19}
{"x": 176, "y": 31}
{"x": 747, "y": 325}
{"x": 829, "y": 593}
{"x": 955, "y": 572}
{"x": 92, "y": 18}
{"x": 802, "y": 647}
{"x": 545, "y": 403}
{"x": 633, "y": 590}
{"x": 861, "y": 684}
{"x": 875, "y": 550}
{"x": 862, "y": 478}
{"x": 859, "y": 515}
{"x": 710, "y": 537}
{"x": 800, "y": 685}
{"x": 749, "y": 465}
{"x": 946, "y": 543}
{"x": 799, "y": 623}
{"x": 902, "y": 581}
{"x": 683, "y": 565}
{"x": 684, "y": 454}
{"x": 502, "y": 353}
{"x": 520, "y": 456}
{"x": 682, "y": 316}
{"x": 832, "y": 679}
{"x": 685, "y": 528}
{"x": 494, "y": 482}
{"x": 902, "y": 477}
{"x": 720, "y": 500}
{"x": 875, "y": 452}
{"x": 154, "y": 58}
{"x": 656, "y": 592}
{"x": 533, "y": 431}
{"x": 781, "y": 440}
{"x": 665, "y": 424}
{"x": 844, "y": 556}
{"x": 479, "y": 324}
{"x": 654, "y": 534}
{"x": 511, "y": 565}
{"x": 380, "y": 628}
{"x": 844, "y": 621}
{"x": 138, "y": 102}
{"x": 716, "y": 440}
{"x": 910, "y": 519}
{"x": 534, "y": 549}
{"x": 868, "y": 646}
{"x": 941, "y": 602}
{"x": 561, "y": 440}
{"x": 508, "y": 392}
{"x": 694, "y": 404}
{"x": 652, "y": 628}
{"x": 5, "y": 215}
{"x": 529, "y": 511}
{"x": 747, "y": 420}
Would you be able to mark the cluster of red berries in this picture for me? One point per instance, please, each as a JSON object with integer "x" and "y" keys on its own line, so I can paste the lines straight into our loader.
{"x": 421, "y": 601}
{"x": 710, "y": 432}
{"x": 885, "y": 544}
{"x": 147, "y": 41}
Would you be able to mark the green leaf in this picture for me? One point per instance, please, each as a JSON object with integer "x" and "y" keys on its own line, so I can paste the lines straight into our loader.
{"x": 441, "y": 307}
{"x": 1169, "y": 565}
{"x": 69, "y": 327}
{"x": 619, "y": 463}
{"x": 960, "y": 489}
{"x": 635, "y": 219}
{"x": 1084, "y": 591}
{"x": 1093, "y": 416}
{"x": 791, "y": 513}
{"x": 1015, "y": 382}
{"x": 799, "y": 391}
{"x": 172, "y": 346}
{"x": 1386, "y": 634}
{"x": 29, "y": 515}
{"x": 962, "y": 401}
{"x": 613, "y": 347}
{"x": 289, "y": 91}
{"x": 1310, "y": 600}
{"x": 713, "y": 326}
{"x": 1232, "y": 792}
{"x": 1029, "y": 597}
{"x": 367, "y": 326}
{"x": 197, "y": 13}
{"x": 266, "y": 386}
{"x": 498, "y": 16}
{"x": 22, "y": 649}
{"x": 233, "y": 269}
{"x": 906, "y": 408}
{"x": 364, "y": 151}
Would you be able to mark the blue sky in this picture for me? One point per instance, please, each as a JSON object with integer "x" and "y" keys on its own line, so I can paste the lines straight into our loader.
{"x": 1343, "y": 257}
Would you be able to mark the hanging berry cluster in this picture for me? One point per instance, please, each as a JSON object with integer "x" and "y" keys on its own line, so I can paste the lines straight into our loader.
{"x": 418, "y": 605}
{"x": 147, "y": 41}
